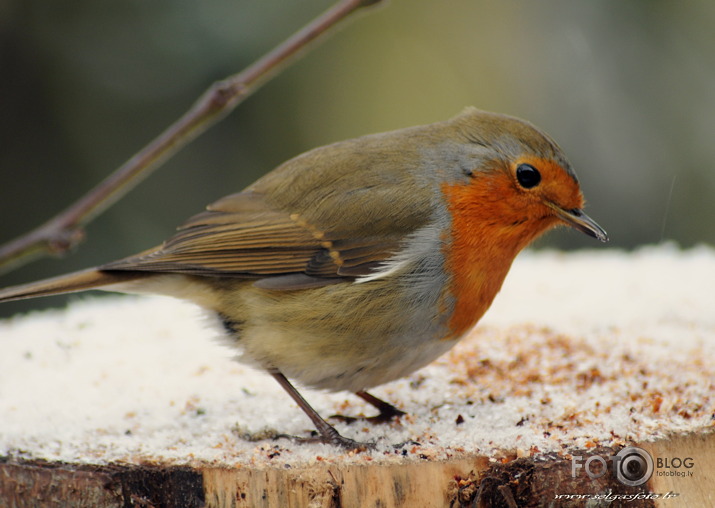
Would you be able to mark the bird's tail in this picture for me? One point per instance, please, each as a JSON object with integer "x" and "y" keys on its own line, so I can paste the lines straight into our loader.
{"x": 70, "y": 283}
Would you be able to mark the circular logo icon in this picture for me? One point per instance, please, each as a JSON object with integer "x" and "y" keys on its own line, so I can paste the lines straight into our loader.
{"x": 634, "y": 466}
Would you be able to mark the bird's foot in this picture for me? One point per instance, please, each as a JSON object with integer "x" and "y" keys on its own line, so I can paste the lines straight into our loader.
{"x": 377, "y": 419}
{"x": 387, "y": 411}
{"x": 331, "y": 438}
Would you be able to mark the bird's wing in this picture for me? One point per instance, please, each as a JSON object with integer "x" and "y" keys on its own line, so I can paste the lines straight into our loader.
{"x": 331, "y": 214}
{"x": 243, "y": 236}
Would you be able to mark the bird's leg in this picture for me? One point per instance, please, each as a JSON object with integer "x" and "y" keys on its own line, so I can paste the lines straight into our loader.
{"x": 328, "y": 434}
{"x": 387, "y": 410}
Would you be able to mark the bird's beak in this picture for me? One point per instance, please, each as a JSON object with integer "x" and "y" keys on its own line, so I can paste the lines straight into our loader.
{"x": 579, "y": 220}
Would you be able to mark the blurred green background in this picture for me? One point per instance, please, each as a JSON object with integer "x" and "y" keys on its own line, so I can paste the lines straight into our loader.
{"x": 626, "y": 88}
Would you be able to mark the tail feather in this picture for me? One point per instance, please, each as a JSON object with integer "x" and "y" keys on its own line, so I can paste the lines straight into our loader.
{"x": 70, "y": 283}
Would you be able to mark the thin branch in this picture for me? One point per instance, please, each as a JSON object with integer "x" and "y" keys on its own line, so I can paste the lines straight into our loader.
{"x": 66, "y": 230}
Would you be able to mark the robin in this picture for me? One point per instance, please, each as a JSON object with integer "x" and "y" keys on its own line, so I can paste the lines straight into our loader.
{"x": 356, "y": 263}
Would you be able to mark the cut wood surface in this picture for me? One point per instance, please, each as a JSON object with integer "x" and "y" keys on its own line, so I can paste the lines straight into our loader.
{"x": 464, "y": 481}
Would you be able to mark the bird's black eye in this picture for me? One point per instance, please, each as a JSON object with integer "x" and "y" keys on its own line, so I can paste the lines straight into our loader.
{"x": 528, "y": 176}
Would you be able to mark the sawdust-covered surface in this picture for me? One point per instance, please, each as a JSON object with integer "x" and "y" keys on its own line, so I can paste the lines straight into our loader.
{"x": 579, "y": 350}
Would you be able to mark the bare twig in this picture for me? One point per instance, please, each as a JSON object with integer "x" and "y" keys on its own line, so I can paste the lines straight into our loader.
{"x": 65, "y": 230}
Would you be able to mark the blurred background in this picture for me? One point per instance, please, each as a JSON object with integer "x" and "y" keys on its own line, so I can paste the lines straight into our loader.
{"x": 626, "y": 88}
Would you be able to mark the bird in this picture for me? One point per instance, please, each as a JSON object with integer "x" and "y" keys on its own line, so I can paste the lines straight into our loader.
{"x": 356, "y": 263}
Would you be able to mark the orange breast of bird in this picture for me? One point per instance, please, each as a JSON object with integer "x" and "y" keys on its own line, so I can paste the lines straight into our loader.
{"x": 489, "y": 226}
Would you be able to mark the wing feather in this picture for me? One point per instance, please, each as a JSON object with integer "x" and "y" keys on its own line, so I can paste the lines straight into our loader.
{"x": 242, "y": 236}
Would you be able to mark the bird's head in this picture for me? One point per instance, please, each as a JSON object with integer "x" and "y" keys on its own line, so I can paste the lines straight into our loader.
{"x": 517, "y": 183}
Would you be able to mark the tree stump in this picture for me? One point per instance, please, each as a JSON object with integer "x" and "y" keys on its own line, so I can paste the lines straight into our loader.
{"x": 464, "y": 481}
